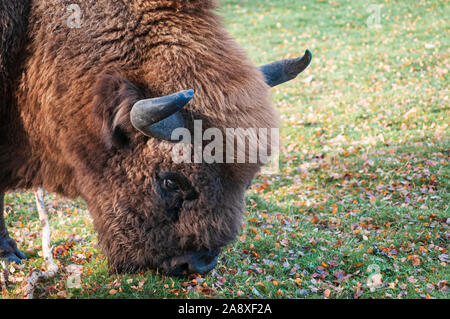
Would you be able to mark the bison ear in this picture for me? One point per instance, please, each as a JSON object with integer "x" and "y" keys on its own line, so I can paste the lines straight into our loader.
{"x": 113, "y": 97}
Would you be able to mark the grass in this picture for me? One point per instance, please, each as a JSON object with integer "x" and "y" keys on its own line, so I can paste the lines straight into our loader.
{"x": 363, "y": 188}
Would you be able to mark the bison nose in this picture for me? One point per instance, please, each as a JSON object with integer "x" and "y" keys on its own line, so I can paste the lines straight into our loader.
{"x": 195, "y": 263}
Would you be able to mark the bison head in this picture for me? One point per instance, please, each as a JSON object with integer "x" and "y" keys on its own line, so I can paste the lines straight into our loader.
{"x": 166, "y": 215}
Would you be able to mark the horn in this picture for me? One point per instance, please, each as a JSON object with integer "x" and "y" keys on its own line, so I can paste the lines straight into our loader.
{"x": 159, "y": 117}
{"x": 285, "y": 70}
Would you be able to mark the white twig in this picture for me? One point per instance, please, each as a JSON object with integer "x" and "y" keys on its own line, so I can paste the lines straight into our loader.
{"x": 52, "y": 269}
{"x": 4, "y": 274}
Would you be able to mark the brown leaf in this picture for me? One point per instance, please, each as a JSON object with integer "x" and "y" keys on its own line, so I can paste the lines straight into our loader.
{"x": 415, "y": 260}
{"x": 315, "y": 219}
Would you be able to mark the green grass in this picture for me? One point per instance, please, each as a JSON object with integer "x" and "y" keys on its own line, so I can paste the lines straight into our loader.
{"x": 364, "y": 176}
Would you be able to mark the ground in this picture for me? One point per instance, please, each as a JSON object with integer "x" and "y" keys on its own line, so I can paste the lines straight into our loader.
{"x": 359, "y": 208}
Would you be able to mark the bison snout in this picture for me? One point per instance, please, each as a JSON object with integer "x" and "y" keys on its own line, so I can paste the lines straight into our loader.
{"x": 200, "y": 262}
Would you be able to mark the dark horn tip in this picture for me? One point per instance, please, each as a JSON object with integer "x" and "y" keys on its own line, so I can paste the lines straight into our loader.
{"x": 308, "y": 55}
{"x": 285, "y": 70}
{"x": 305, "y": 60}
{"x": 186, "y": 96}
{"x": 298, "y": 65}
{"x": 160, "y": 116}
{"x": 189, "y": 93}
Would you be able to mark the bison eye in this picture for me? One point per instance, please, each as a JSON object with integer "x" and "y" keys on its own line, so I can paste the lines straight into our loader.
{"x": 170, "y": 184}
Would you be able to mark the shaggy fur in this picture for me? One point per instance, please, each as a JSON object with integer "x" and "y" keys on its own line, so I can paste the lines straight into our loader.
{"x": 13, "y": 30}
{"x": 13, "y": 38}
{"x": 71, "y": 133}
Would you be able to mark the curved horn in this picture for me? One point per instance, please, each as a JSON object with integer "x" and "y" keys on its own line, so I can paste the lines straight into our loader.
{"x": 285, "y": 70}
{"x": 159, "y": 117}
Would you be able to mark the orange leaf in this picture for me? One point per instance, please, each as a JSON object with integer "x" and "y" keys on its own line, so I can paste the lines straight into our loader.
{"x": 279, "y": 293}
{"x": 112, "y": 291}
{"x": 415, "y": 260}
{"x": 315, "y": 219}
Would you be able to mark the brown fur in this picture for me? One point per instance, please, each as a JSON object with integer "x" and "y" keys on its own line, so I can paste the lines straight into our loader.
{"x": 13, "y": 30}
{"x": 72, "y": 135}
{"x": 13, "y": 37}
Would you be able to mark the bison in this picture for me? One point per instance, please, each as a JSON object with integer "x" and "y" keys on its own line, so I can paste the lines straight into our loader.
{"x": 89, "y": 106}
